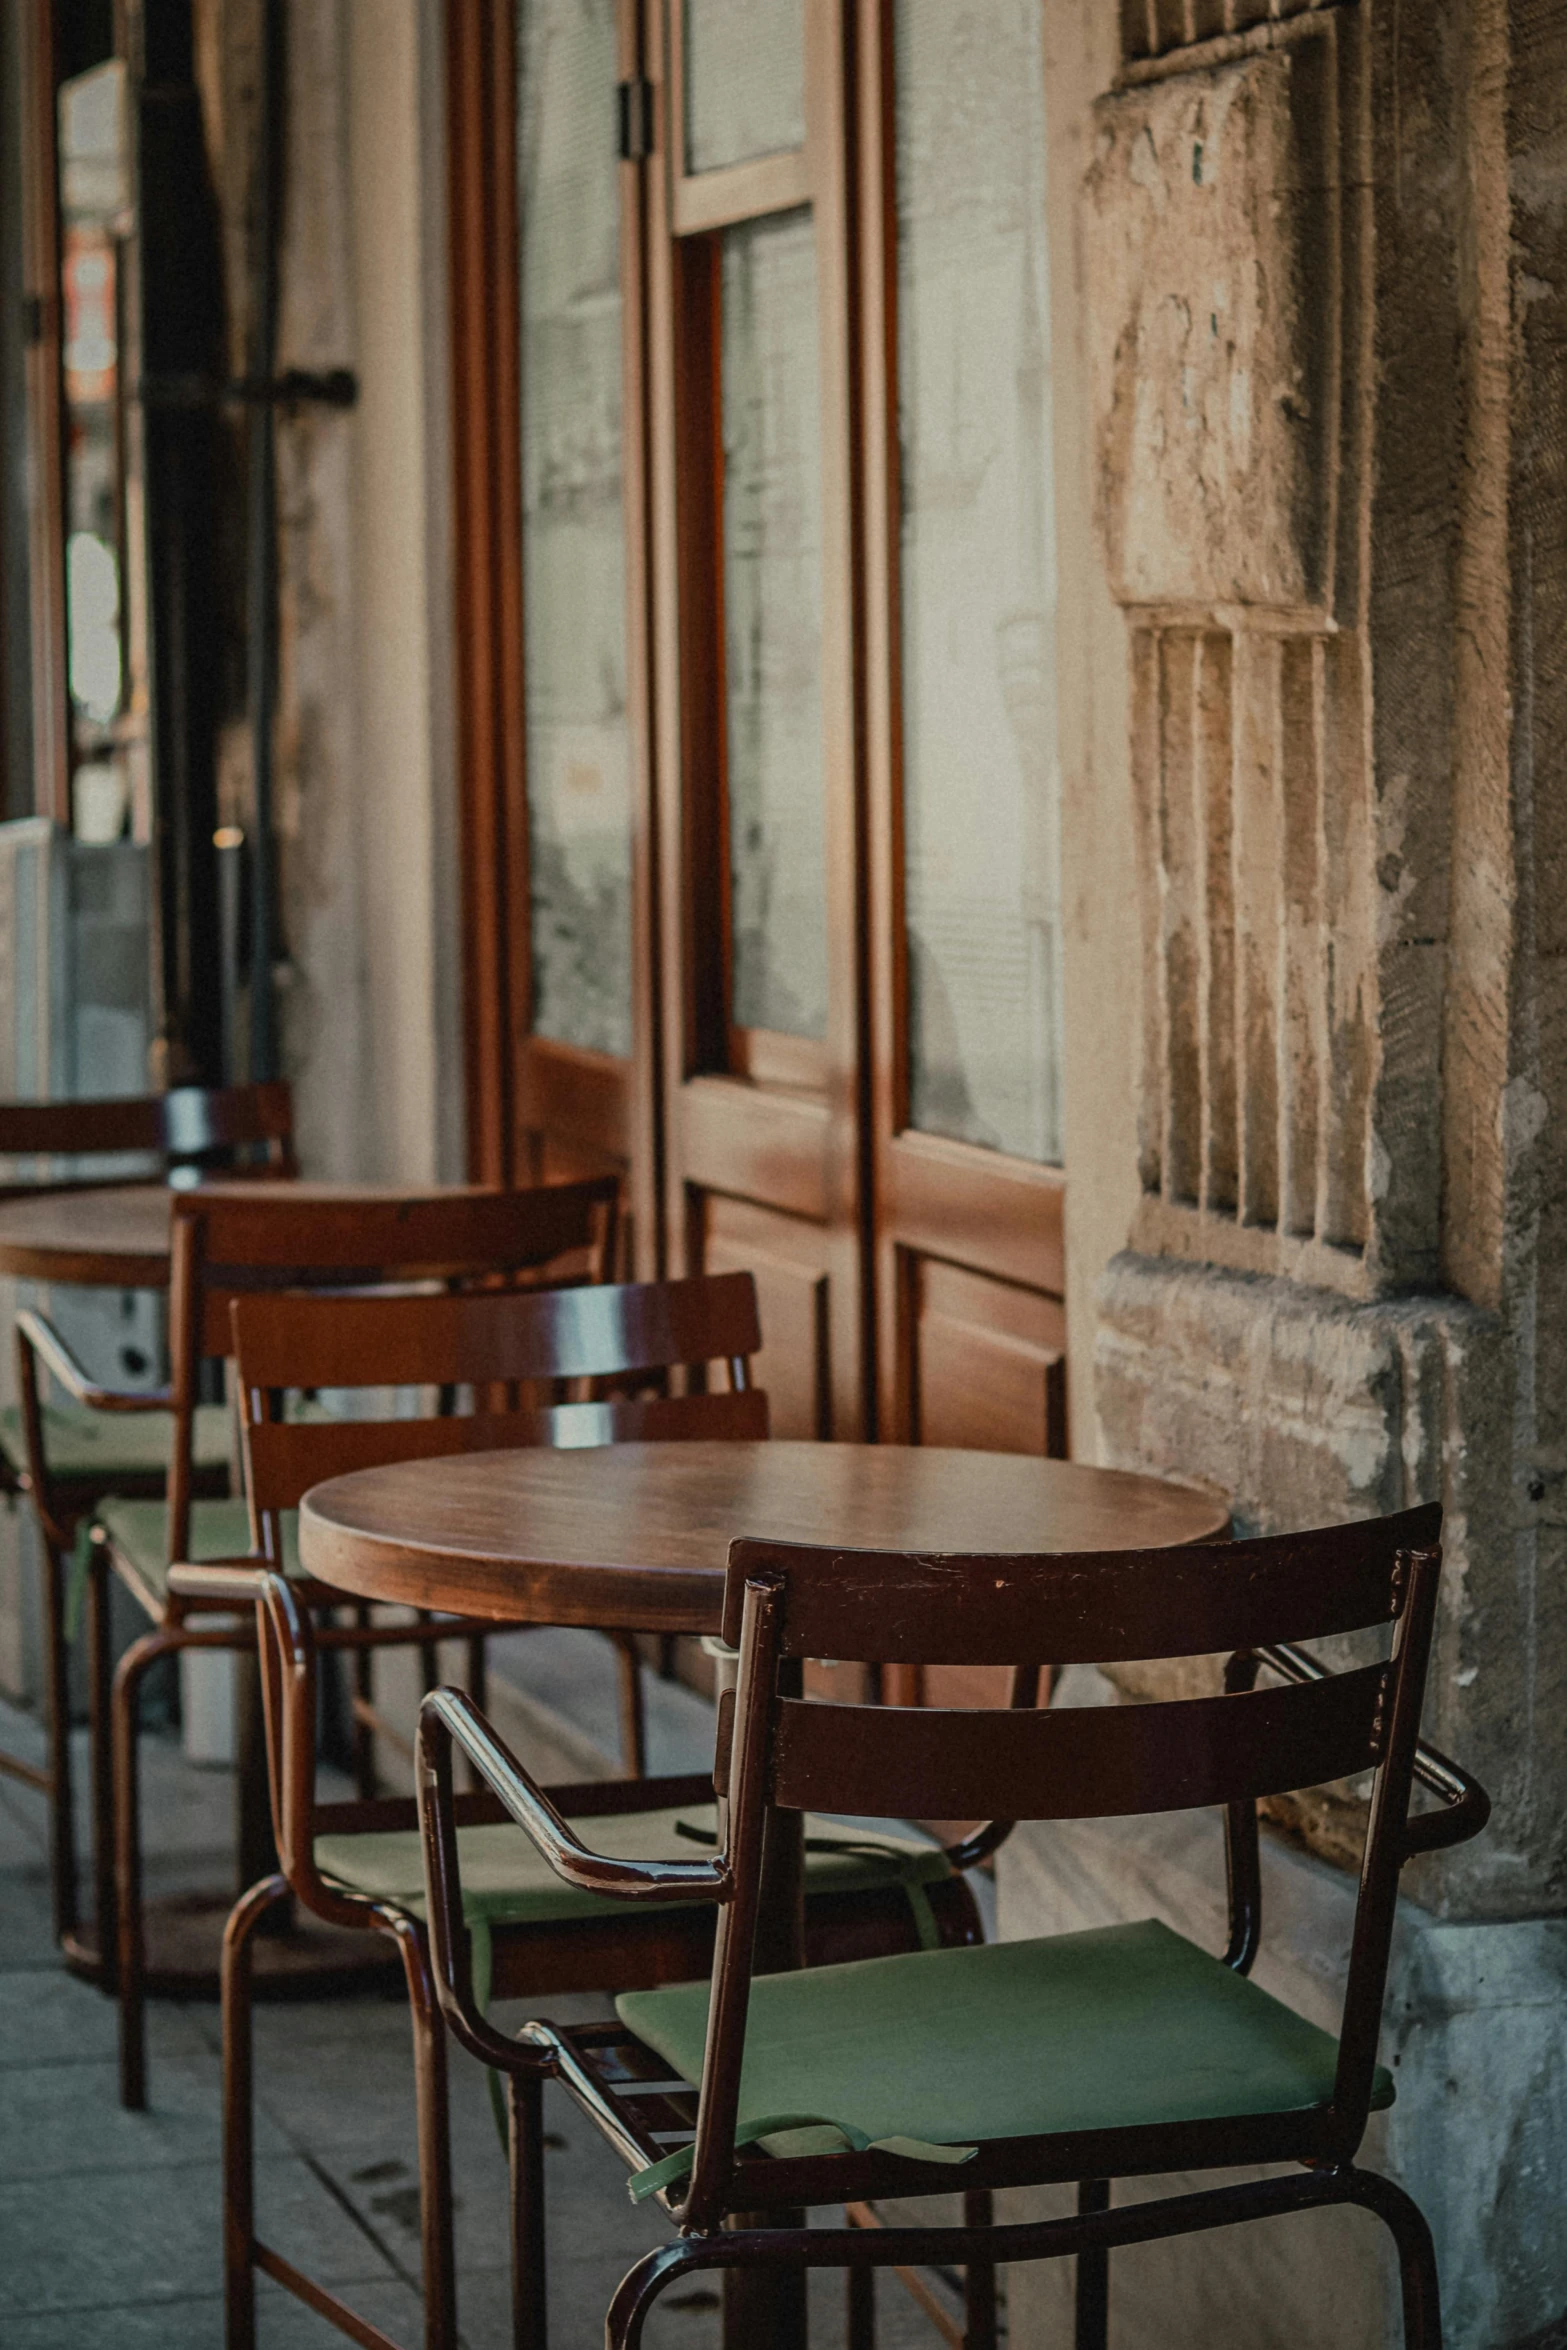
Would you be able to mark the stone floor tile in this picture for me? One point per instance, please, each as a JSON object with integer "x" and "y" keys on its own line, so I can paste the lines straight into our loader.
{"x": 61, "y": 2118}
{"x": 100, "y": 2237}
{"x": 49, "y": 2017}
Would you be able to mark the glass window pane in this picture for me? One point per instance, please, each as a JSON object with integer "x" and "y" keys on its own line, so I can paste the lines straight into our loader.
{"x": 772, "y": 625}
{"x": 745, "y": 80}
{"x": 981, "y": 773}
{"x": 574, "y": 558}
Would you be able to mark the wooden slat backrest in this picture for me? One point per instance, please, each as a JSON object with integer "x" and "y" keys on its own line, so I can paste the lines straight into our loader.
{"x": 1081, "y": 1762}
{"x": 191, "y": 1122}
{"x": 1096, "y": 1607}
{"x": 285, "y": 1458}
{"x": 235, "y": 1238}
{"x": 230, "y": 1238}
{"x": 776, "y": 1751}
{"x": 620, "y": 1329}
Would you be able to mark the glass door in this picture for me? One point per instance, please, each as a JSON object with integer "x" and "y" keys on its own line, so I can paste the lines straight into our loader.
{"x": 964, "y": 770}
{"x": 753, "y": 547}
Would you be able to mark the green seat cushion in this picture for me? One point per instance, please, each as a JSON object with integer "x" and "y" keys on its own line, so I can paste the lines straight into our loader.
{"x": 506, "y": 1880}
{"x": 1110, "y": 2029}
{"x": 218, "y": 1530}
{"x": 106, "y": 1445}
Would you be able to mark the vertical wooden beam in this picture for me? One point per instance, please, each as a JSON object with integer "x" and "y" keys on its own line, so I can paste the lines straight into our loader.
{"x": 46, "y": 413}
{"x": 488, "y": 527}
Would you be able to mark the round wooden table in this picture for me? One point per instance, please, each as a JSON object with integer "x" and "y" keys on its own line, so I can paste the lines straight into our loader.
{"x": 635, "y": 1536}
{"x": 109, "y": 1236}
{"x": 118, "y": 1236}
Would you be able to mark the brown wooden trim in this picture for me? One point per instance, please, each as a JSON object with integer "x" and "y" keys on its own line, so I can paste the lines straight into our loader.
{"x": 707, "y": 200}
{"x": 769, "y": 1058}
{"x": 488, "y": 530}
{"x": 642, "y": 1116}
{"x": 1001, "y": 1216}
{"x": 831, "y": 142}
{"x": 580, "y": 1096}
{"x": 45, "y": 414}
{"x": 758, "y": 1142}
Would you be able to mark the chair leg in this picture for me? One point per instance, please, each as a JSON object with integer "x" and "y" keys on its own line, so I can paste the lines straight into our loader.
{"x": 860, "y": 2317}
{"x": 1093, "y": 2275}
{"x": 100, "y": 1669}
{"x": 637, "y": 2291}
{"x": 979, "y": 2282}
{"x": 365, "y": 1782}
{"x": 131, "y": 1967}
{"x": 1419, "y": 2286}
{"x": 435, "y": 2145}
{"x": 478, "y": 1670}
{"x": 57, "y": 1676}
{"x": 429, "y": 1656}
{"x": 239, "y": 2121}
{"x": 529, "y": 2276}
{"x": 633, "y": 1707}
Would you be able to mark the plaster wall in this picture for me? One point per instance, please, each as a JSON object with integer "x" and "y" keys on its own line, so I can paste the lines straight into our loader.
{"x": 365, "y": 744}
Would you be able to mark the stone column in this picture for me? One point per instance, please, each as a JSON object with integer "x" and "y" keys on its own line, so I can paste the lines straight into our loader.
{"x": 1316, "y": 307}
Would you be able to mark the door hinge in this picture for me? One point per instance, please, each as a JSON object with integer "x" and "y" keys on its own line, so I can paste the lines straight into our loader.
{"x": 634, "y": 120}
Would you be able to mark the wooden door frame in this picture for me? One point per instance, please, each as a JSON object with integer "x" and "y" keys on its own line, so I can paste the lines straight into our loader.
{"x": 45, "y": 386}
{"x": 797, "y": 1149}
{"x": 1011, "y": 1222}
{"x": 519, "y": 1085}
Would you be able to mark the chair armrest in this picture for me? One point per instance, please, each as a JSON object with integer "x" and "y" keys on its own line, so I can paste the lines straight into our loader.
{"x": 531, "y": 1808}
{"x": 40, "y": 1335}
{"x": 1466, "y": 1807}
{"x": 223, "y": 1583}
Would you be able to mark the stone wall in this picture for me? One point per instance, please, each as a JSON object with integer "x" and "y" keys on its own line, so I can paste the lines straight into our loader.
{"x": 1309, "y": 275}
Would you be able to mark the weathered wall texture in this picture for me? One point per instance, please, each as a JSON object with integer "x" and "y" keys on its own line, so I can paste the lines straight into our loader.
{"x": 1323, "y": 268}
{"x": 364, "y": 790}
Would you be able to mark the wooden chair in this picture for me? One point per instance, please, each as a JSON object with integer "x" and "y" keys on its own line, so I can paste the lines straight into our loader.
{"x": 1122, "y": 2052}
{"x": 80, "y": 1455}
{"x": 360, "y": 1864}
{"x": 227, "y": 1239}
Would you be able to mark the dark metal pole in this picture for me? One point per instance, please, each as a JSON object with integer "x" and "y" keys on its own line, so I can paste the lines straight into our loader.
{"x": 262, "y": 532}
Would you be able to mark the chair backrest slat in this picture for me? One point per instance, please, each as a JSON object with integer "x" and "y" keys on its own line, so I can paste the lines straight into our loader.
{"x": 234, "y": 1238}
{"x": 287, "y": 1458}
{"x": 620, "y": 1329}
{"x": 484, "y": 1341}
{"x": 1095, "y": 1607}
{"x": 1081, "y": 1762}
{"x": 191, "y": 1123}
{"x": 229, "y": 1238}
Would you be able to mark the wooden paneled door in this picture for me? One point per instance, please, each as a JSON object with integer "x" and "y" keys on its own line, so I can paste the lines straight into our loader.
{"x": 753, "y": 547}
{"x": 797, "y": 592}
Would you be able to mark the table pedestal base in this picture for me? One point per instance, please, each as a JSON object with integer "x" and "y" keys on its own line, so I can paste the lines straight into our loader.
{"x": 184, "y": 1934}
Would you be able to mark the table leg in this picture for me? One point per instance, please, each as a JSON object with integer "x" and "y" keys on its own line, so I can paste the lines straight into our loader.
{"x": 765, "y": 2310}
{"x": 253, "y": 1839}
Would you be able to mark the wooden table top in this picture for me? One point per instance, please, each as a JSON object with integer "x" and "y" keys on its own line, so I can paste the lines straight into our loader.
{"x": 635, "y": 1535}
{"x": 113, "y": 1237}
{"x": 116, "y": 1236}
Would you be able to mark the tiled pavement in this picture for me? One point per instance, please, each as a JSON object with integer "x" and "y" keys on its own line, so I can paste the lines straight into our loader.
{"x": 109, "y": 2220}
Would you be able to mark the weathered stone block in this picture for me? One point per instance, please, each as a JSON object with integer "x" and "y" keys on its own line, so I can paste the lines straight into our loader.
{"x": 1310, "y": 1409}
{"x": 1210, "y": 339}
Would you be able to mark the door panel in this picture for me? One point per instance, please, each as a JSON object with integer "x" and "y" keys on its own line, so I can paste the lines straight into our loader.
{"x": 788, "y": 1257}
{"x": 963, "y": 773}
{"x": 753, "y": 562}
{"x": 985, "y": 1361}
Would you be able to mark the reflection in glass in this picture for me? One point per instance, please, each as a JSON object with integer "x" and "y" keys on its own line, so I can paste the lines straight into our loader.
{"x": 108, "y": 705}
{"x": 981, "y": 772}
{"x": 772, "y": 626}
{"x": 745, "y": 80}
{"x": 574, "y": 564}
